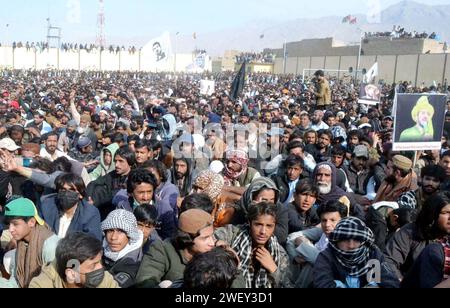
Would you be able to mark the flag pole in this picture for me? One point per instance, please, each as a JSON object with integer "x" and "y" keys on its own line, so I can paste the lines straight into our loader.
{"x": 284, "y": 56}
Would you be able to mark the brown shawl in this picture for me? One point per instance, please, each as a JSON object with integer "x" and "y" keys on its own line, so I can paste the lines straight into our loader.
{"x": 29, "y": 256}
{"x": 390, "y": 193}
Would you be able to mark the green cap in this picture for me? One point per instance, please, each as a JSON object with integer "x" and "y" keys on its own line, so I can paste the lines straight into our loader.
{"x": 23, "y": 208}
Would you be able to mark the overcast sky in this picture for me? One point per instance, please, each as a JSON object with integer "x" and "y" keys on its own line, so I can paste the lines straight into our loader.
{"x": 141, "y": 18}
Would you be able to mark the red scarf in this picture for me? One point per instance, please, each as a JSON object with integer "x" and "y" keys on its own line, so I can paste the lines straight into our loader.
{"x": 446, "y": 245}
{"x": 239, "y": 157}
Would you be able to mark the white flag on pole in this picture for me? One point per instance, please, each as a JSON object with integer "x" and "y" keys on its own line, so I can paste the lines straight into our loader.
{"x": 371, "y": 74}
{"x": 156, "y": 54}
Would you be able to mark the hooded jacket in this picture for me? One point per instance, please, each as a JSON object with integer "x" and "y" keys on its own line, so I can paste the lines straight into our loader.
{"x": 187, "y": 185}
{"x": 240, "y": 217}
{"x": 337, "y": 193}
{"x": 102, "y": 169}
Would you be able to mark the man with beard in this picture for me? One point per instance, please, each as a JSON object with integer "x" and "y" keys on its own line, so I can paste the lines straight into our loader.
{"x": 237, "y": 174}
{"x": 50, "y": 151}
{"x": 66, "y": 140}
{"x": 400, "y": 179}
{"x": 85, "y": 154}
{"x": 447, "y": 123}
{"x": 324, "y": 177}
{"x": 85, "y": 130}
{"x": 181, "y": 175}
{"x": 433, "y": 176}
{"x": 445, "y": 163}
{"x": 380, "y": 216}
{"x": 322, "y": 150}
{"x": 317, "y": 122}
{"x": 16, "y": 133}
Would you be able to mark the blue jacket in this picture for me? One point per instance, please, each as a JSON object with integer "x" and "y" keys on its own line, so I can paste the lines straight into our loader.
{"x": 165, "y": 199}
{"x": 86, "y": 218}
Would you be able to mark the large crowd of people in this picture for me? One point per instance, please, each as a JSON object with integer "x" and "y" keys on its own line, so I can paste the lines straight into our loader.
{"x": 255, "y": 58}
{"x": 74, "y": 47}
{"x": 127, "y": 179}
{"x": 400, "y": 32}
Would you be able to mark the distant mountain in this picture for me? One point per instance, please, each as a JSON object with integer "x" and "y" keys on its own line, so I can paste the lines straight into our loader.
{"x": 408, "y": 14}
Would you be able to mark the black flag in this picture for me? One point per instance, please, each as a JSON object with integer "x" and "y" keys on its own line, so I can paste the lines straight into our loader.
{"x": 238, "y": 83}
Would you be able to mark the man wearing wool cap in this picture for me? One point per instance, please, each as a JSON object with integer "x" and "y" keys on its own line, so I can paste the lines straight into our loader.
{"x": 166, "y": 261}
{"x": 400, "y": 179}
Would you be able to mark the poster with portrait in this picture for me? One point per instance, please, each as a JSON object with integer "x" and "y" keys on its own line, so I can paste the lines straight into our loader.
{"x": 419, "y": 122}
{"x": 200, "y": 62}
{"x": 207, "y": 87}
{"x": 156, "y": 54}
{"x": 369, "y": 94}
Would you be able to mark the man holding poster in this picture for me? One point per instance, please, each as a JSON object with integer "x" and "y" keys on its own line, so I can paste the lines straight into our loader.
{"x": 419, "y": 122}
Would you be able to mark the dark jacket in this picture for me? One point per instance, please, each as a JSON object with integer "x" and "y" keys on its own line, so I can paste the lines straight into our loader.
{"x": 428, "y": 271}
{"x": 301, "y": 221}
{"x": 378, "y": 224}
{"x": 186, "y": 188}
{"x": 86, "y": 218}
{"x": 104, "y": 189}
{"x": 358, "y": 182}
{"x": 327, "y": 270}
{"x": 162, "y": 262}
{"x": 314, "y": 150}
{"x": 125, "y": 269}
{"x": 404, "y": 248}
{"x": 282, "y": 182}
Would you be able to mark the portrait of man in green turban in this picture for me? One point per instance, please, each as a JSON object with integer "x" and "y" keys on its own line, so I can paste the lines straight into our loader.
{"x": 423, "y": 131}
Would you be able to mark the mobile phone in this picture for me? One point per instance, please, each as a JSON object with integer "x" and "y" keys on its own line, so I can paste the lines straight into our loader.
{"x": 27, "y": 162}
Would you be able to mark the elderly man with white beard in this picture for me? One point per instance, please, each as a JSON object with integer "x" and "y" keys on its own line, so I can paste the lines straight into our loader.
{"x": 324, "y": 177}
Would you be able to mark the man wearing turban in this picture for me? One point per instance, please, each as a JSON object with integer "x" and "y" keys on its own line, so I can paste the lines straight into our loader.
{"x": 422, "y": 114}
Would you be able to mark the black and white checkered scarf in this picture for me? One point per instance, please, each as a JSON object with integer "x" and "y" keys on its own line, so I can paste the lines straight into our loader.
{"x": 355, "y": 261}
{"x": 243, "y": 246}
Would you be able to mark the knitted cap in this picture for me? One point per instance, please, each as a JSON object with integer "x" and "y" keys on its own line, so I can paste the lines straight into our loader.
{"x": 122, "y": 220}
{"x": 402, "y": 162}
{"x": 193, "y": 221}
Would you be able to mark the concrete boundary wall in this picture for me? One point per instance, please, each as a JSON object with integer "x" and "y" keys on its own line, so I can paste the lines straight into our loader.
{"x": 418, "y": 69}
{"x": 54, "y": 58}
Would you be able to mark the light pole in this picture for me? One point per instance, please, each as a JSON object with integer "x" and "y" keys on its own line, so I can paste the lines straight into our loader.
{"x": 285, "y": 54}
{"x": 359, "y": 55}
{"x": 176, "y": 51}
